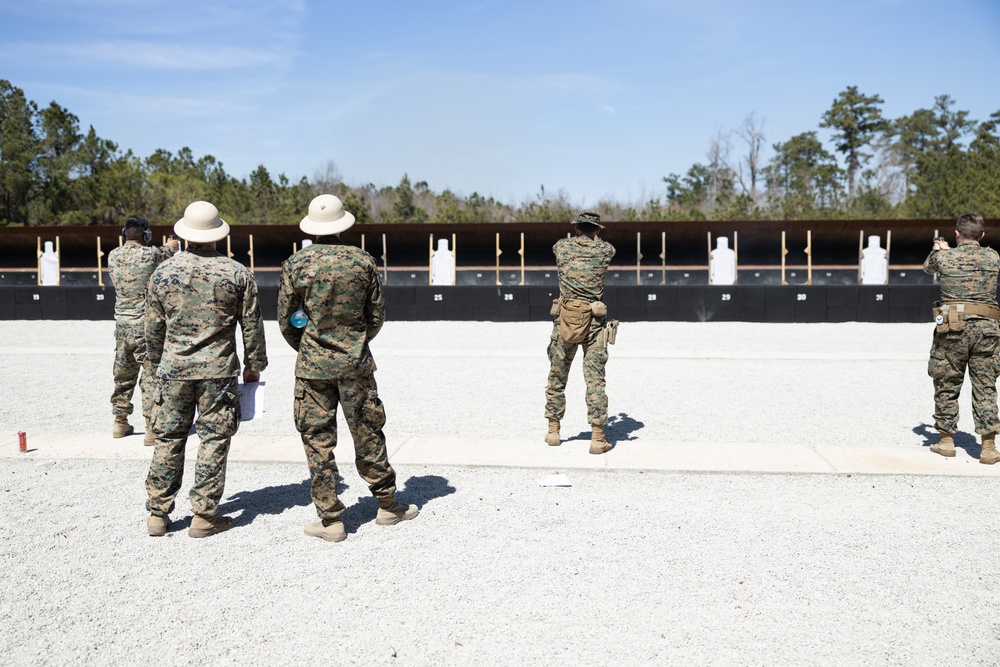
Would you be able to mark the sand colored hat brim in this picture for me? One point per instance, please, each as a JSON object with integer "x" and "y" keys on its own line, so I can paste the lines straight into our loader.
{"x": 314, "y": 228}
{"x": 326, "y": 216}
{"x": 201, "y": 235}
{"x": 201, "y": 224}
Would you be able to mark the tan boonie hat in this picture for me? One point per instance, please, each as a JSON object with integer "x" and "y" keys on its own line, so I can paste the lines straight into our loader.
{"x": 201, "y": 224}
{"x": 590, "y": 218}
{"x": 326, "y": 216}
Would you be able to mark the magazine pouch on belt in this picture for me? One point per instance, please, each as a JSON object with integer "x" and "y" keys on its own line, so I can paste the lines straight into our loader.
{"x": 574, "y": 320}
{"x": 951, "y": 316}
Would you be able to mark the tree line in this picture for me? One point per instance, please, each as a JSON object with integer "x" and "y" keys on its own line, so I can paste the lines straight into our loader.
{"x": 935, "y": 162}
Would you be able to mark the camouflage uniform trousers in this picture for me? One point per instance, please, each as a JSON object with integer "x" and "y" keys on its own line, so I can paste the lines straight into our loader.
{"x": 316, "y": 419}
{"x": 217, "y": 401}
{"x": 130, "y": 357}
{"x": 976, "y": 347}
{"x": 595, "y": 357}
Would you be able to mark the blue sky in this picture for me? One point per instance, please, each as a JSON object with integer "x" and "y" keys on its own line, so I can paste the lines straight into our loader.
{"x": 596, "y": 99}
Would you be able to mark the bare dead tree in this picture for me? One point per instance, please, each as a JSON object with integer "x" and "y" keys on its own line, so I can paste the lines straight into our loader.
{"x": 751, "y": 133}
{"x": 326, "y": 178}
{"x": 720, "y": 173}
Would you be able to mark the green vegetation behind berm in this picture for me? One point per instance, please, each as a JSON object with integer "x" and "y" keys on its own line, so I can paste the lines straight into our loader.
{"x": 933, "y": 163}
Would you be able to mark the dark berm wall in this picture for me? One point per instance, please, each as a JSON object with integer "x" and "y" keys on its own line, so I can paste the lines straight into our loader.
{"x": 834, "y": 242}
{"x": 812, "y": 303}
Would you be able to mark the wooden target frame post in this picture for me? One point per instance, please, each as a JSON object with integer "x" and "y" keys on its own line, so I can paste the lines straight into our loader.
{"x": 809, "y": 257}
{"x": 736, "y": 257}
{"x": 385, "y": 263}
{"x": 784, "y": 252}
{"x": 229, "y": 247}
{"x": 100, "y": 254}
{"x": 430, "y": 259}
{"x": 521, "y": 253}
{"x": 499, "y": 252}
{"x": 709, "y": 260}
{"x": 888, "y": 249}
{"x": 250, "y": 253}
{"x": 934, "y": 278}
{"x": 663, "y": 257}
{"x": 638, "y": 258}
{"x": 861, "y": 252}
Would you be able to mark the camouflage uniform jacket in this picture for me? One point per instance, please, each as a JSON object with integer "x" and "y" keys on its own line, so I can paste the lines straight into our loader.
{"x": 583, "y": 266}
{"x": 967, "y": 272}
{"x": 130, "y": 267}
{"x": 338, "y": 287}
{"x": 194, "y": 301}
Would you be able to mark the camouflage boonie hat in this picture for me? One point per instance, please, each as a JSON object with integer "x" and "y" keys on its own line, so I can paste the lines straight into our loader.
{"x": 590, "y": 218}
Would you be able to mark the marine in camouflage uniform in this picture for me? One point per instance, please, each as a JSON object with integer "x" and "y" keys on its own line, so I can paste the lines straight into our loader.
{"x": 582, "y": 262}
{"x": 338, "y": 288}
{"x": 969, "y": 339}
{"x": 130, "y": 267}
{"x": 194, "y": 302}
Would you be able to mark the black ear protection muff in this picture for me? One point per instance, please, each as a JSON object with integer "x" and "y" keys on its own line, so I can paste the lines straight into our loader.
{"x": 147, "y": 231}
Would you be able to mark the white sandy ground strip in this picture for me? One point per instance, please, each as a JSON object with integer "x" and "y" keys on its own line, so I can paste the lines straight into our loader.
{"x": 836, "y": 384}
{"x": 622, "y": 568}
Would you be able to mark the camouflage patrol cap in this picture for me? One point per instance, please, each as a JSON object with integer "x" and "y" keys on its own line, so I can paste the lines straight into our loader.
{"x": 589, "y": 218}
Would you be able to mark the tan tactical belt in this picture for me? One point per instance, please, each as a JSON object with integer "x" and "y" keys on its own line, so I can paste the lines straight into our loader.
{"x": 951, "y": 315}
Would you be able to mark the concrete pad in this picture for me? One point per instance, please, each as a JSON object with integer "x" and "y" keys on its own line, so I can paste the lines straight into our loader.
{"x": 868, "y": 460}
{"x": 778, "y": 458}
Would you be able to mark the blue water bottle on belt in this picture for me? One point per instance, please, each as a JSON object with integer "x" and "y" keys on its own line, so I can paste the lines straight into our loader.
{"x": 298, "y": 319}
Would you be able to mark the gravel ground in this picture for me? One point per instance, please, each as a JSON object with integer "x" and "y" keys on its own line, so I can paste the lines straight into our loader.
{"x": 623, "y": 567}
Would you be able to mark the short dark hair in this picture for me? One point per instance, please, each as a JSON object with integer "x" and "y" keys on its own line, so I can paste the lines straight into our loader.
{"x": 135, "y": 227}
{"x": 587, "y": 227}
{"x": 970, "y": 226}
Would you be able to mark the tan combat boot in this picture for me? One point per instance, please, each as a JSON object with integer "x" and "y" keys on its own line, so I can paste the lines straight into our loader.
{"x": 395, "y": 514}
{"x": 157, "y": 525}
{"x": 149, "y": 439}
{"x": 204, "y": 525}
{"x": 945, "y": 446}
{"x": 989, "y": 454}
{"x": 122, "y": 427}
{"x": 331, "y": 532}
{"x": 552, "y": 437}
{"x": 598, "y": 443}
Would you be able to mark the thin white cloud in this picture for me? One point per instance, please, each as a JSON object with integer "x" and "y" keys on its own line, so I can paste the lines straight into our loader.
{"x": 137, "y": 54}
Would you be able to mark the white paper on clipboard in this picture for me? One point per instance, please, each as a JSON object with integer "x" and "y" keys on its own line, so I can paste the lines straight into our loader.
{"x": 251, "y": 400}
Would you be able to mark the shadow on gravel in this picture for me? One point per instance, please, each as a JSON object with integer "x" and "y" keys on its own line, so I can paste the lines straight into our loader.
{"x": 269, "y": 500}
{"x": 966, "y": 441}
{"x": 418, "y": 490}
{"x": 620, "y": 428}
